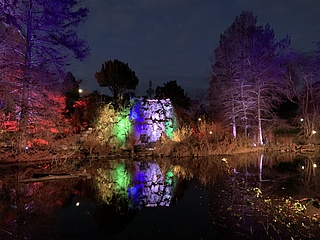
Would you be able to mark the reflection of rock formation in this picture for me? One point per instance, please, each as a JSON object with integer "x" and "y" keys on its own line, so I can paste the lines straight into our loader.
{"x": 27, "y": 210}
{"x": 150, "y": 187}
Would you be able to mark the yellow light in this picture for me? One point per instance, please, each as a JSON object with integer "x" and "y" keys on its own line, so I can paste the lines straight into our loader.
{"x": 77, "y": 204}
{"x": 302, "y": 167}
{"x": 314, "y": 165}
{"x": 80, "y": 90}
{"x": 301, "y": 119}
{"x": 314, "y": 132}
{"x": 199, "y": 119}
{"x": 210, "y": 132}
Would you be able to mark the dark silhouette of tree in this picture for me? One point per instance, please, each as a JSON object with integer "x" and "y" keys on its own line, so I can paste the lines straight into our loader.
{"x": 303, "y": 78}
{"x": 70, "y": 89}
{"x": 176, "y": 94}
{"x": 49, "y": 32}
{"x": 118, "y": 77}
{"x": 247, "y": 74}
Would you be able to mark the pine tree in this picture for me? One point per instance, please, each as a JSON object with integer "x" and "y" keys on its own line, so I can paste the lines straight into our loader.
{"x": 48, "y": 29}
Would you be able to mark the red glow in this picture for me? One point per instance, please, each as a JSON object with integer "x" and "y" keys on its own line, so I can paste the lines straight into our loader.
{"x": 10, "y": 126}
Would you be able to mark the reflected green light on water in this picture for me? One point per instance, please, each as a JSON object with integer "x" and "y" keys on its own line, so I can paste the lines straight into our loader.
{"x": 112, "y": 182}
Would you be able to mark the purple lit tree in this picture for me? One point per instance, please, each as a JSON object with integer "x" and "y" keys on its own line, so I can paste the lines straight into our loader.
{"x": 247, "y": 74}
{"x": 228, "y": 86}
{"x": 9, "y": 70}
{"x": 264, "y": 73}
{"x": 50, "y": 39}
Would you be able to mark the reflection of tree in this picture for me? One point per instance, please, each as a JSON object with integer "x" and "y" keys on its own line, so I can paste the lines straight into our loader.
{"x": 205, "y": 170}
{"x": 8, "y": 207}
{"x": 311, "y": 177}
{"x": 112, "y": 183}
{"x": 27, "y": 209}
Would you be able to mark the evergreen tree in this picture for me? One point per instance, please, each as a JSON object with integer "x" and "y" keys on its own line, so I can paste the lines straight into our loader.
{"x": 176, "y": 94}
{"x": 118, "y": 77}
{"x": 48, "y": 29}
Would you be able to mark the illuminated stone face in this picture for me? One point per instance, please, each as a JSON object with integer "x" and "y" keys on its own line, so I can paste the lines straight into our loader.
{"x": 152, "y": 118}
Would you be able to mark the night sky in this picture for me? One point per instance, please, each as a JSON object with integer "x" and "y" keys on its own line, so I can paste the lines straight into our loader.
{"x": 174, "y": 39}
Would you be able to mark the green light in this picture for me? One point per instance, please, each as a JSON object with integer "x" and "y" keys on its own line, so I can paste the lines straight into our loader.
{"x": 113, "y": 183}
{"x": 170, "y": 127}
{"x": 121, "y": 177}
{"x": 122, "y": 128}
{"x": 169, "y": 177}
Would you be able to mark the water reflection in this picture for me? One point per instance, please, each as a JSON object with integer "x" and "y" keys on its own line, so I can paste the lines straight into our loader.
{"x": 142, "y": 184}
{"x": 104, "y": 205}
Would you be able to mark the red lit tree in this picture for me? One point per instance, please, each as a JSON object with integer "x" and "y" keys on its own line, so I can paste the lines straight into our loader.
{"x": 48, "y": 29}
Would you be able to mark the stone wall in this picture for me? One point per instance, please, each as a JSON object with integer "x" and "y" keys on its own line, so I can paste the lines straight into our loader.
{"x": 152, "y": 118}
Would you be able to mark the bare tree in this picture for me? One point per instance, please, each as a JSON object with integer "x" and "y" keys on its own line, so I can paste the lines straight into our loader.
{"x": 303, "y": 78}
{"x": 248, "y": 72}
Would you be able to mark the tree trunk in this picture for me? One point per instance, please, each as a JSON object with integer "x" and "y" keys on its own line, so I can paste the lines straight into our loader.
{"x": 260, "y": 139}
{"x": 24, "y": 115}
{"x": 234, "y": 126}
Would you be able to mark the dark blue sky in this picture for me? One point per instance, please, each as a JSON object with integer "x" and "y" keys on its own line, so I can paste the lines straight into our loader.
{"x": 174, "y": 39}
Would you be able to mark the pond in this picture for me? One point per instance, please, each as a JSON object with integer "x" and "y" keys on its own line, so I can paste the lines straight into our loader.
{"x": 222, "y": 197}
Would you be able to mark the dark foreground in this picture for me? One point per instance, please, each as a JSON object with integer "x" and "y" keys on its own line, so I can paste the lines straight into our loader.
{"x": 192, "y": 199}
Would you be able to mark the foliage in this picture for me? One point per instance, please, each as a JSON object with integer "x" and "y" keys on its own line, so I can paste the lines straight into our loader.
{"x": 203, "y": 139}
{"x": 118, "y": 77}
{"x": 90, "y": 143}
{"x": 182, "y": 133}
{"x": 112, "y": 183}
{"x": 113, "y": 126}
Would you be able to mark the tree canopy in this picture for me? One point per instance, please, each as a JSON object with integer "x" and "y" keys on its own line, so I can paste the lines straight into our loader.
{"x": 118, "y": 77}
{"x": 175, "y": 92}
